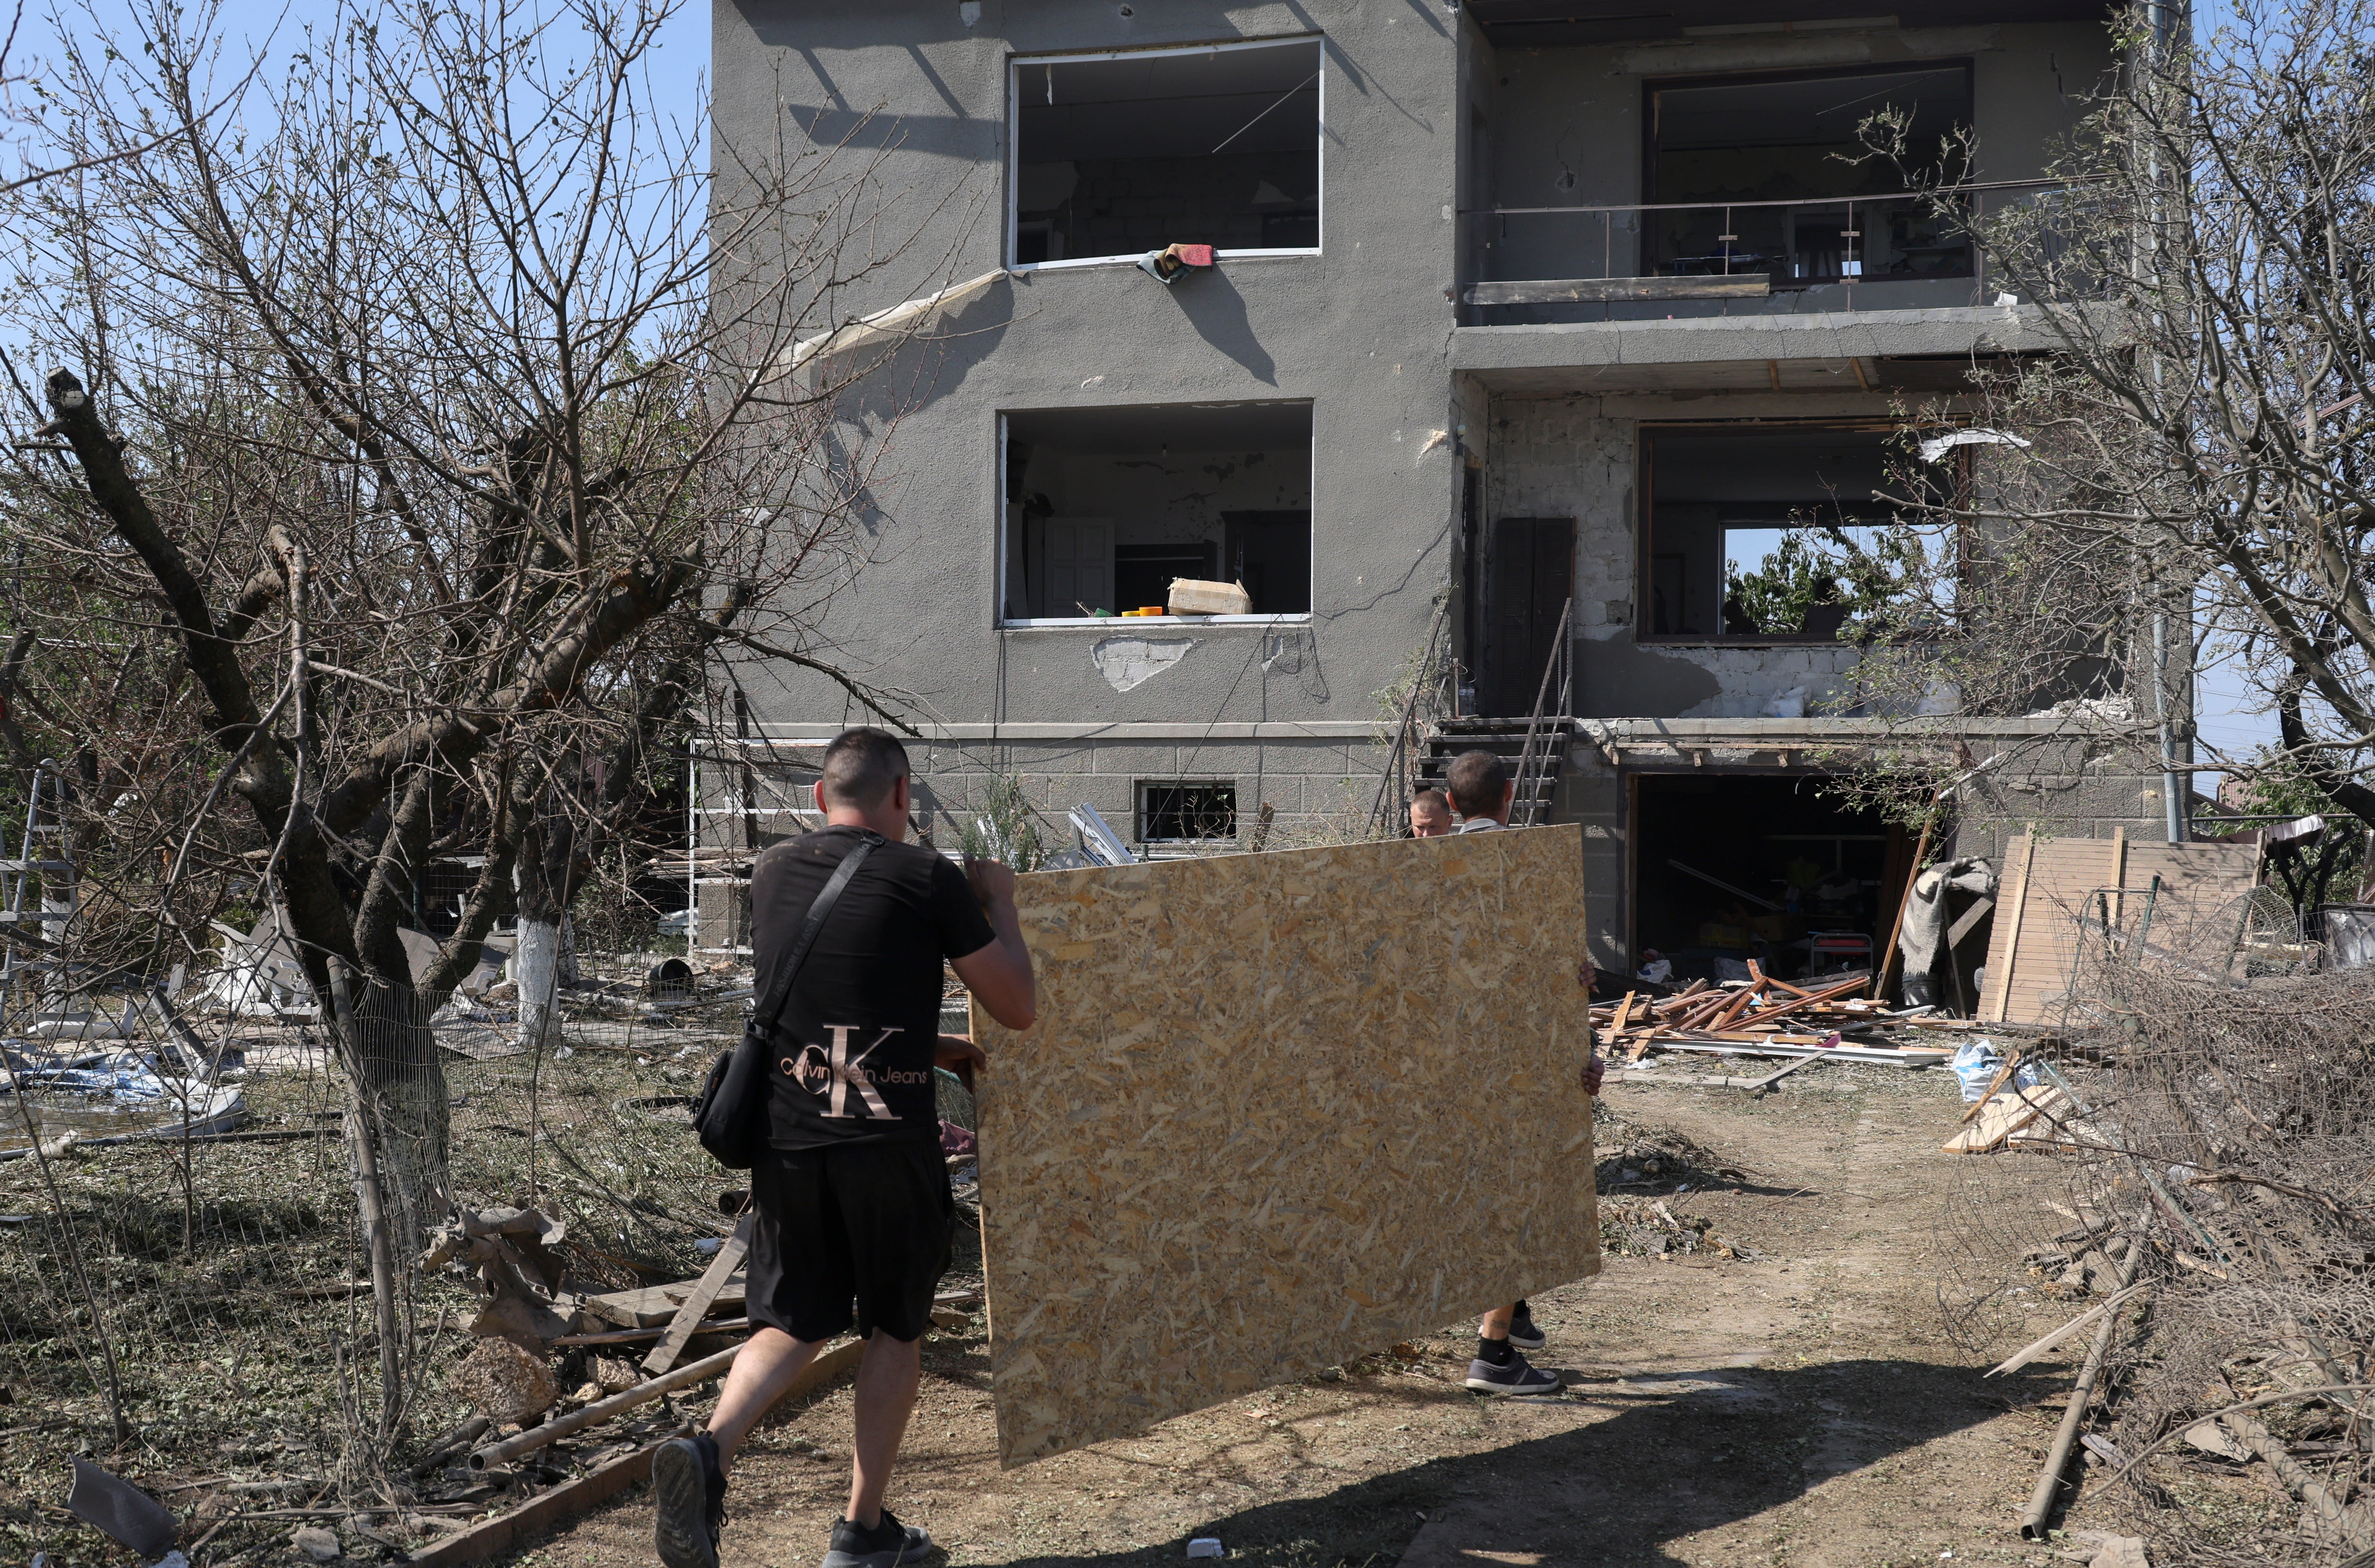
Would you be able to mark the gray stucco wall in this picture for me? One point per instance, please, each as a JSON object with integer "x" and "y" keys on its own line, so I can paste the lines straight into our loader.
{"x": 1361, "y": 329}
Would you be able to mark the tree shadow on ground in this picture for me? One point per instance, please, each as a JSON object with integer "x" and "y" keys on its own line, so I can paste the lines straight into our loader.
{"x": 1683, "y": 1453}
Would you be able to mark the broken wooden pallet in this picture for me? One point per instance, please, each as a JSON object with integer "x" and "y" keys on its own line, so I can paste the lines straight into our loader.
{"x": 656, "y": 1305}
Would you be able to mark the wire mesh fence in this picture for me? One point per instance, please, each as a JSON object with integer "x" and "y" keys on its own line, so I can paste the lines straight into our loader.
{"x": 2200, "y": 1124}
{"x": 199, "y": 1312}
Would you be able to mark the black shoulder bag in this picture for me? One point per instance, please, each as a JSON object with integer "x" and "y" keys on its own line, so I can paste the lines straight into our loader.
{"x": 731, "y": 1114}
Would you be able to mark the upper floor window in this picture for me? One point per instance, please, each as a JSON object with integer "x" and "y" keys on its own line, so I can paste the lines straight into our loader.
{"x": 1775, "y": 174}
{"x": 1116, "y": 155}
{"x": 1790, "y": 531}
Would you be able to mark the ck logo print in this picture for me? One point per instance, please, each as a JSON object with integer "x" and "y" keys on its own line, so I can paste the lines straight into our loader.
{"x": 835, "y": 1072}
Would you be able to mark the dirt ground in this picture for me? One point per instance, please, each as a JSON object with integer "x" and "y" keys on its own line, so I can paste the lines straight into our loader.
{"x": 1802, "y": 1407}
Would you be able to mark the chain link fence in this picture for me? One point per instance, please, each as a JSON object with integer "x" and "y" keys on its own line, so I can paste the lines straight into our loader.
{"x": 198, "y": 1314}
{"x": 2208, "y": 1137}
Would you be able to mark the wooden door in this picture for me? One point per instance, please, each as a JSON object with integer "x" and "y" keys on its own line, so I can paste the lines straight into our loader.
{"x": 1533, "y": 573}
{"x": 1076, "y": 565}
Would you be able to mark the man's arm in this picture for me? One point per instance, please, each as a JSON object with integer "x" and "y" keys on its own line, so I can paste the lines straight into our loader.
{"x": 999, "y": 975}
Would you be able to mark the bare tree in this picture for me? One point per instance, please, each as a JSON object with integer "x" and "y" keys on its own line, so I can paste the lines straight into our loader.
{"x": 2186, "y": 476}
{"x": 426, "y": 426}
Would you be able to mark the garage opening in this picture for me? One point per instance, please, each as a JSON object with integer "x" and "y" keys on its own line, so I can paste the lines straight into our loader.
{"x": 1119, "y": 155}
{"x": 1105, "y": 506}
{"x": 1729, "y": 867}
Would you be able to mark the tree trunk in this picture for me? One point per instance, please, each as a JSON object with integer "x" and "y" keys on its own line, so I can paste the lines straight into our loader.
{"x": 536, "y": 966}
{"x": 399, "y": 1082}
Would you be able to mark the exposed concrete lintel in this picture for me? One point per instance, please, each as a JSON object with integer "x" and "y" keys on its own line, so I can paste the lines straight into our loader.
{"x": 1612, "y": 349}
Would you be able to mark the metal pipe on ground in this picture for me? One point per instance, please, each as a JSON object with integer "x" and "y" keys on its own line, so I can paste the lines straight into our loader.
{"x": 823, "y": 1367}
{"x": 2057, "y": 1459}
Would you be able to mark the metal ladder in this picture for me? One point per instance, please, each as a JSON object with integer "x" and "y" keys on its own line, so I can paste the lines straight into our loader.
{"x": 56, "y": 874}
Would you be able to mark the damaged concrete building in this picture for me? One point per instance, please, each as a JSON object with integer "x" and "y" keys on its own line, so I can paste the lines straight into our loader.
{"x": 1546, "y": 314}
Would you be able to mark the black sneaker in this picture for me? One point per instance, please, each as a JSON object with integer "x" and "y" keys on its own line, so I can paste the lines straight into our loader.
{"x": 691, "y": 1490}
{"x": 1522, "y": 1332}
{"x": 887, "y": 1545}
{"x": 1517, "y": 1376}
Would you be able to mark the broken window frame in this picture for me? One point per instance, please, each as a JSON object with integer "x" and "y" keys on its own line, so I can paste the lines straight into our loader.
{"x": 1644, "y": 553}
{"x": 1018, "y": 64}
{"x": 1142, "y": 811}
{"x": 1002, "y": 561}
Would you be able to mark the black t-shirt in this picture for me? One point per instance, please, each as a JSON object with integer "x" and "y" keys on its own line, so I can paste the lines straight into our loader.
{"x": 853, "y": 1050}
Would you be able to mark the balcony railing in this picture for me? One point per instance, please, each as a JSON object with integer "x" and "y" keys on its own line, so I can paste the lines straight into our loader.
{"x": 1643, "y": 253}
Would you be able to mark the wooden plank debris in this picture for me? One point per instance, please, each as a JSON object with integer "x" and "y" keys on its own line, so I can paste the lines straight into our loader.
{"x": 654, "y": 1307}
{"x": 1741, "y": 1018}
{"x": 698, "y": 1301}
{"x": 2056, "y": 891}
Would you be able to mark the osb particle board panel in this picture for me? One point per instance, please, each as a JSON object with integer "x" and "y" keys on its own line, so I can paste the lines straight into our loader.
{"x": 1278, "y": 1110}
{"x": 2048, "y": 885}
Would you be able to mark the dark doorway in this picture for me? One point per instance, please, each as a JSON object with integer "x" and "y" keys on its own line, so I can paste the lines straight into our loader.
{"x": 1732, "y": 867}
{"x": 1533, "y": 573}
{"x": 1270, "y": 552}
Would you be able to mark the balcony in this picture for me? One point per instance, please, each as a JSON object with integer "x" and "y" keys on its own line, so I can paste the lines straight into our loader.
{"x": 1806, "y": 293}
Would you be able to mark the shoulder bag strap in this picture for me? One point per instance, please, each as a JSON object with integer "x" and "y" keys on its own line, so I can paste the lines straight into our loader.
{"x": 769, "y": 1011}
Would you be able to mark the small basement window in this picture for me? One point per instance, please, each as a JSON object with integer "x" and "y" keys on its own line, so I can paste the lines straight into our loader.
{"x": 1784, "y": 532}
{"x": 1185, "y": 813}
{"x": 1116, "y": 155}
{"x": 1105, "y": 506}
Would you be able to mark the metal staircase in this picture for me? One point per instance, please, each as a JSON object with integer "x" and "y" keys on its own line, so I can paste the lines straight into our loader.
{"x": 1533, "y": 749}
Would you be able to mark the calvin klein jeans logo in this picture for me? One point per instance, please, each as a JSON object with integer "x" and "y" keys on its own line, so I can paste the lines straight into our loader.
{"x": 820, "y": 1071}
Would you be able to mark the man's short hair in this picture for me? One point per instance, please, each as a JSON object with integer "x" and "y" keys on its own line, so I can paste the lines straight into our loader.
{"x": 1431, "y": 800}
{"x": 1478, "y": 782}
{"x": 860, "y": 766}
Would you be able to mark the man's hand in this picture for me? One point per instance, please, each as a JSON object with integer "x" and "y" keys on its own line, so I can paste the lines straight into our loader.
{"x": 1585, "y": 975}
{"x": 992, "y": 880}
{"x": 958, "y": 1052}
{"x": 1594, "y": 1069}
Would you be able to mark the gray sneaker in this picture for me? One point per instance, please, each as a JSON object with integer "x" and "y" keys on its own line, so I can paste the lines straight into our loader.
{"x": 1522, "y": 1332}
{"x": 887, "y": 1545}
{"x": 1517, "y": 1376}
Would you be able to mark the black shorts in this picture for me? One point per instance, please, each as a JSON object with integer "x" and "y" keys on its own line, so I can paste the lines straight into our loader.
{"x": 868, "y": 1223}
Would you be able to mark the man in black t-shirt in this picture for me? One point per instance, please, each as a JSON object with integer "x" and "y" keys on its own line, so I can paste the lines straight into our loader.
{"x": 853, "y": 1199}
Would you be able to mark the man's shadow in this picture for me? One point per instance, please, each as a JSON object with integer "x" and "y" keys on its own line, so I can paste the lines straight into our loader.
{"x": 1689, "y": 1452}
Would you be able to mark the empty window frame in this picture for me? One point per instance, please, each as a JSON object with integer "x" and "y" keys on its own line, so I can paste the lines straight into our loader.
{"x": 1116, "y": 155}
{"x": 1712, "y": 143}
{"x": 1186, "y": 812}
{"x": 1104, "y": 507}
{"x": 1785, "y": 532}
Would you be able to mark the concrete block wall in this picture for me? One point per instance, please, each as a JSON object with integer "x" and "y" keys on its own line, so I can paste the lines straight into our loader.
{"x": 1319, "y": 789}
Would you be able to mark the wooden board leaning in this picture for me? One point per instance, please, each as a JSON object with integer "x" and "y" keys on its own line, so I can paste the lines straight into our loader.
{"x": 1278, "y": 1110}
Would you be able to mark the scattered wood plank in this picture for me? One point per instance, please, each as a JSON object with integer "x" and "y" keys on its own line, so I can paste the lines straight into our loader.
{"x": 566, "y": 1500}
{"x": 696, "y": 1303}
{"x": 654, "y": 1306}
{"x": 1764, "y": 1085}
